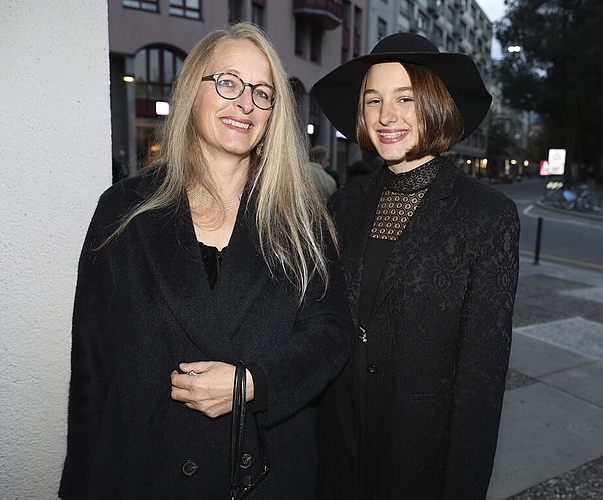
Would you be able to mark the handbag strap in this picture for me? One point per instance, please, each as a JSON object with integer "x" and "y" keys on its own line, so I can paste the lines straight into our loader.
{"x": 237, "y": 430}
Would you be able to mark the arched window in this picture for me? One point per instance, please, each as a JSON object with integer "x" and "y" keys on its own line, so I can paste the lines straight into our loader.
{"x": 155, "y": 68}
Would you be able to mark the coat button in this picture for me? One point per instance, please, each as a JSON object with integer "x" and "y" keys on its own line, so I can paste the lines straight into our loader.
{"x": 189, "y": 468}
{"x": 246, "y": 461}
{"x": 372, "y": 369}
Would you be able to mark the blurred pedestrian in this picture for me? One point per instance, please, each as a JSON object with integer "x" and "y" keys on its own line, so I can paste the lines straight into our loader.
{"x": 325, "y": 184}
{"x": 430, "y": 258}
{"x": 221, "y": 252}
{"x": 320, "y": 155}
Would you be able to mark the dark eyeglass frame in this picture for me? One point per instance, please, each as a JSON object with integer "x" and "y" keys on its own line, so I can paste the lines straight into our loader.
{"x": 216, "y": 76}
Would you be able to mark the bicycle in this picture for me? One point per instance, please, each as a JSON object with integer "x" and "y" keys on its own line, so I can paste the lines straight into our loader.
{"x": 581, "y": 199}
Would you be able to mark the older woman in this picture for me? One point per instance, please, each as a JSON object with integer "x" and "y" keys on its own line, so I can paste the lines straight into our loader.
{"x": 430, "y": 258}
{"x": 222, "y": 252}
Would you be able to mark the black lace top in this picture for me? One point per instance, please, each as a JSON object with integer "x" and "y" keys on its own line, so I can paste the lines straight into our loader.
{"x": 402, "y": 194}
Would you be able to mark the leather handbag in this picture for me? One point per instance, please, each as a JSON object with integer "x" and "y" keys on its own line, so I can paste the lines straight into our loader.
{"x": 263, "y": 486}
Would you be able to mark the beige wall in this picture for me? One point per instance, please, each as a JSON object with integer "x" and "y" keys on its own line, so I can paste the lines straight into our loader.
{"x": 54, "y": 118}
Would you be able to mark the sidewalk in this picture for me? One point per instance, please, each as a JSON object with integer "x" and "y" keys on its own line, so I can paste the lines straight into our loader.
{"x": 551, "y": 436}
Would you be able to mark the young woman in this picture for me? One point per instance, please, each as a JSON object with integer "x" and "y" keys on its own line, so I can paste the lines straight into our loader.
{"x": 430, "y": 259}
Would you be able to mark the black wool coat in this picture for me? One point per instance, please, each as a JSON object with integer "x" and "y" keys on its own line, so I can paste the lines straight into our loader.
{"x": 419, "y": 419}
{"x": 143, "y": 305}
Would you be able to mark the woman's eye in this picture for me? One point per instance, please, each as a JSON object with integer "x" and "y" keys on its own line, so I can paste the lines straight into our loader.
{"x": 225, "y": 82}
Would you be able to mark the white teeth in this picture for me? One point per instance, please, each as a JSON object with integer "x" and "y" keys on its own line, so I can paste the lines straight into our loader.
{"x": 391, "y": 135}
{"x": 237, "y": 124}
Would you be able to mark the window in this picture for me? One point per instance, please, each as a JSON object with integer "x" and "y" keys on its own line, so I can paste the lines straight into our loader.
{"x": 299, "y": 39}
{"x": 155, "y": 69}
{"x": 345, "y": 54}
{"x": 450, "y": 14}
{"x": 316, "y": 45}
{"x": 438, "y": 36}
{"x": 357, "y": 21}
{"x": 423, "y": 22}
{"x": 381, "y": 29}
{"x": 357, "y": 46}
{"x": 257, "y": 13}
{"x": 347, "y": 8}
{"x": 149, "y": 5}
{"x": 186, "y": 8}
{"x": 235, "y": 11}
{"x": 449, "y": 44}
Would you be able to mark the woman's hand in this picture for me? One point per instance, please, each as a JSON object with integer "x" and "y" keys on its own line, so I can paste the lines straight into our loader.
{"x": 206, "y": 386}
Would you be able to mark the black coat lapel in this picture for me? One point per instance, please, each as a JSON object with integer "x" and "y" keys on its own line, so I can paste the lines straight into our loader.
{"x": 209, "y": 317}
{"x": 243, "y": 275}
{"x": 354, "y": 219}
{"x": 424, "y": 225}
{"x": 168, "y": 240}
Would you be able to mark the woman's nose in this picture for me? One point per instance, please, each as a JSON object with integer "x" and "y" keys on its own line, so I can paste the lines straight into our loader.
{"x": 245, "y": 100}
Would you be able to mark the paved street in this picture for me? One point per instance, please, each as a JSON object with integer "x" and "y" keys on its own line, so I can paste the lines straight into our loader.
{"x": 551, "y": 436}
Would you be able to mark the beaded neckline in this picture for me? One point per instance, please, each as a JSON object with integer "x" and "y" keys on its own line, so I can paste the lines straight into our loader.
{"x": 414, "y": 180}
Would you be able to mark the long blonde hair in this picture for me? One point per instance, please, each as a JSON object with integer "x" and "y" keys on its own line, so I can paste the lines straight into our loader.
{"x": 291, "y": 221}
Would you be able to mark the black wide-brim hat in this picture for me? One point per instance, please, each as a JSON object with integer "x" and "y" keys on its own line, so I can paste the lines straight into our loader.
{"x": 338, "y": 92}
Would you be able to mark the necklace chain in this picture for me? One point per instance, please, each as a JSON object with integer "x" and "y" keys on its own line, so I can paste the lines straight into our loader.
{"x": 209, "y": 202}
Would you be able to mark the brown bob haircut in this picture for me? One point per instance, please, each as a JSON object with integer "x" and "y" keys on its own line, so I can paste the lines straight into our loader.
{"x": 440, "y": 121}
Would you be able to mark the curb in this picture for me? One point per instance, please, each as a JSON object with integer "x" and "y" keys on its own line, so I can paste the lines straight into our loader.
{"x": 575, "y": 213}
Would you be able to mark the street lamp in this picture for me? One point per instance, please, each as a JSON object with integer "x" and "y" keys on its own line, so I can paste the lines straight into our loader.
{"x": 514, "y": 49}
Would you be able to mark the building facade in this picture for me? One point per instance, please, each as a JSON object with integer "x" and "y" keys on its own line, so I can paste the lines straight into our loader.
{"x": 149, "y": 39}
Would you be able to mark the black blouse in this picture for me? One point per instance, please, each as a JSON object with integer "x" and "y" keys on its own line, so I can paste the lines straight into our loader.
{"x": 212, "y": 260}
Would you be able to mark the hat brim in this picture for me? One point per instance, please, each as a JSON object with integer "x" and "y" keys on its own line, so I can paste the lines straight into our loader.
{"x": 338, "y": 92}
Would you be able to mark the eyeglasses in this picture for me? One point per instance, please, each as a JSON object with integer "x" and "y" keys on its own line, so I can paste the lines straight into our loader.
{"x": 230, "y": 86}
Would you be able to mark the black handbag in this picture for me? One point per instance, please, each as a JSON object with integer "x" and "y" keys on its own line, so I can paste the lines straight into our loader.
{"x": 263, "y": 486}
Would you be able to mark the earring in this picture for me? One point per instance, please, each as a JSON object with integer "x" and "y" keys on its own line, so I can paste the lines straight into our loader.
{"x": 259, "y": 148}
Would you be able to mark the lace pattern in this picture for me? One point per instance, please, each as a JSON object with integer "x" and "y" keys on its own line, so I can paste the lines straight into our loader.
{"x": 393, "y": 213}
{"x": 415, "y": 179}
{"x": 401, "y": 196}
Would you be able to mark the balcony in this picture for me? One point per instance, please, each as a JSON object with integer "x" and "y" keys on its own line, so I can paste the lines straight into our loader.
{"x": 326, "y": 14}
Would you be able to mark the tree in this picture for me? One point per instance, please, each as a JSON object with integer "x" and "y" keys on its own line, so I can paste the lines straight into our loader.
{"x": 558, "y": 71}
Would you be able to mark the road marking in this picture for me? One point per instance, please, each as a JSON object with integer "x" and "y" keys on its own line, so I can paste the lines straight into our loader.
{"x": 581, "y": 263}
{"x": 584, "y": 223}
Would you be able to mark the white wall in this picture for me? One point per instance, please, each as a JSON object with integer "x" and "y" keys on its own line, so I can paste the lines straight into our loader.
{"x": 54, "y": 163}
